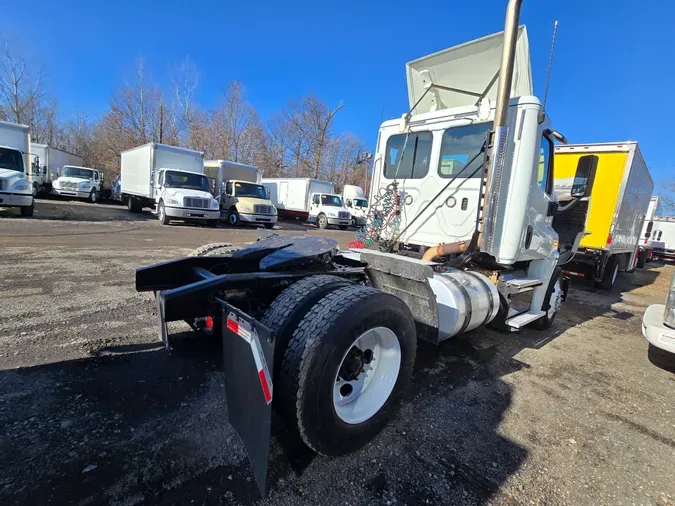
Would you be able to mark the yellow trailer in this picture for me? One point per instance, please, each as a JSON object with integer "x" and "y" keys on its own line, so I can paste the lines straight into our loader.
{"x": 616, "y": 208}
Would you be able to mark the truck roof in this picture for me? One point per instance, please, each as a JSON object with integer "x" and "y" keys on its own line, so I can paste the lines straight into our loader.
{"x": 165, "y": 147}
{"x": 270, "y": 179}
{"x": 16, "y": 126}
{"x": 79, "y": 167}
{"x": 598, "y": 146}
{"x": 218, "y": 163}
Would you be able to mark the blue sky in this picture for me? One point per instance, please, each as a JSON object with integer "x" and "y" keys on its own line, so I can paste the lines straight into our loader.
{"x": 612, "y": 79}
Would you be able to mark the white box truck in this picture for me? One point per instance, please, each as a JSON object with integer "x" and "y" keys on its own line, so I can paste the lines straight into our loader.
{"x": 170, "y": 180}
{"x": 308, "y": 199}
{"x": 663, "y": 238}
{"x": 78, "y": 182}
{"x": 616, "y": 208}
{"x": 645, "y": 244}
{"x": 15, "y": 161}
{"x": 47, "y": 165}
{"x": 356, "y": 203}
{"x": 241, "y": 196}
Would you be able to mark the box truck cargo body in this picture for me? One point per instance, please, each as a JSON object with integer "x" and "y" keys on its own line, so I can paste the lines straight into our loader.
{"x": 169, "y": 179}
{"x": 617, "y": 207}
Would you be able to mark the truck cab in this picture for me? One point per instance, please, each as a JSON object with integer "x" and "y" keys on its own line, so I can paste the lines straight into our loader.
{"x": 328, "y": 209}
{"x": 15, "y": 188}
{"x": 356, "y": 203}
{"x": 78, "y": 182}
{"x": 247, "y": 202}
{"x": 184, "y": 195}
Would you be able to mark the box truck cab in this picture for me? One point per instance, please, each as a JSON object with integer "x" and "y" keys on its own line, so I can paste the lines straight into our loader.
{"x": 356, "y": 203}
{"x": 15, "y": 188}
{"x": 170, "y": 180}
{"x": 328, "y": 209}
{"x": 78, "y": 182}
{"x": 242, "y": 197}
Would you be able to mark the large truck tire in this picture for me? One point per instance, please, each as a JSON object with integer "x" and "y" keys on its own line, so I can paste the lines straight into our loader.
{"x": 552, "y": 301}
{"x": 290, "y": 307}
{"x": 321, "y": 221}
{"x": 27, "y": 212}
{"x": 161, "y": 214}
{"x": 642, "y": 259}
{"x": 233, "y": 217}
{"x": 216, "y": 249}
{"x": 134, "y": 205}
{"x": 346, "y": 368}
{"x": 93, "y": 196}
{"x": 609, "y": 275}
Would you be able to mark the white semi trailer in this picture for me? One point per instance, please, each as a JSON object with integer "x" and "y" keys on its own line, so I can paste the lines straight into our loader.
{"x": 15, "y": 160}
{"x": 170, "y": 180}
{"x": 47, "y": 166}
{"x": 328, "y": 337}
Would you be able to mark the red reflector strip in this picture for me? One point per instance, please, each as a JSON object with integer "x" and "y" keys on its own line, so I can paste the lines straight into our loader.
{"x": 232, "y": 325}
{"x": 609, "y": 239}
{"x": 572, "y": 273}
{"x": 265, "y": 387}
{"x": 209, "y": 323}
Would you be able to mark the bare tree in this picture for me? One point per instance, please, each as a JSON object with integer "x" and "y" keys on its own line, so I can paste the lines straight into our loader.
{"x": 187, "y": 115}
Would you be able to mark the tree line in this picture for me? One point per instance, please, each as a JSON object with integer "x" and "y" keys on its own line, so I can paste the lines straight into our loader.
{"x": 298, "y": 141}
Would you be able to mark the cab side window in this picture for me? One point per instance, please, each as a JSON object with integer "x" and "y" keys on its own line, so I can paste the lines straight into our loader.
{"x": 545, "y": 166}
{"x": 228, "y": 188}
{"x": 315, "y": 200}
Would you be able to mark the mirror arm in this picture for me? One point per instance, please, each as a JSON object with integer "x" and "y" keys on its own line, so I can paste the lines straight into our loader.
{"x": 572, "y": 203}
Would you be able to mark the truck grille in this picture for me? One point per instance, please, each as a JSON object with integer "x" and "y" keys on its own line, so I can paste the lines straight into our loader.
{"x": 68, "y": 185}
{"x": 262, "y": 209}
{"x": 343, "y": 215}
{"x": 195, "y": 202}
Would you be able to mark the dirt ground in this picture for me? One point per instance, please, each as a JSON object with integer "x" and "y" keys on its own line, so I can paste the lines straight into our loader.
{"x": 94, "y": 410}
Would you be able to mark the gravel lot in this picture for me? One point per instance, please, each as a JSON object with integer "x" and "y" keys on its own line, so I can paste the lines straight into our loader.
{"x": 93, "y": 410}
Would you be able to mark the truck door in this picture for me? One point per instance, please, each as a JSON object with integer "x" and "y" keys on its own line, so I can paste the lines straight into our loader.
{"x": 158, "y": 183}
{"x": 97, "y": 184}
{"x": 314, "y": 206}
{"x": 228, "y": 196}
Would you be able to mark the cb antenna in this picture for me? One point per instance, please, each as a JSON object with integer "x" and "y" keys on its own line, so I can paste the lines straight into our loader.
{"x": 550, "y": 61}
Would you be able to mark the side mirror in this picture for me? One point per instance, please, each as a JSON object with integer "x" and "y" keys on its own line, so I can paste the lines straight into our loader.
{"x": 44, "y": 169}
{"x": 584, "y": 177}
{"x": 267, "y": 193}
{"x": 648, "y": 232}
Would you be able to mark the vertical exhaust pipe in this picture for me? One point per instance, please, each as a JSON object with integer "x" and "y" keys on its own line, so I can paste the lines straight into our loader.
{"x": 497, "y": 151}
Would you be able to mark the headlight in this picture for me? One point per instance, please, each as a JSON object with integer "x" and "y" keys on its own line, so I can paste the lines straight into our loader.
{"x": 244, "y": 208}
{"x": 85, "y": 186}
{"x": 172, "y": 202}
{"x": 214, "y": 204}
{"x": 55, "y": 184}
{"x": 22, "y": 187}
{"x": 332, "y": 215}
{"x": 274, "y": 210}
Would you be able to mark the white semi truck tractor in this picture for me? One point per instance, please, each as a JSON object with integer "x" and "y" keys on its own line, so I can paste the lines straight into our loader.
{"x": 326, "y": 337}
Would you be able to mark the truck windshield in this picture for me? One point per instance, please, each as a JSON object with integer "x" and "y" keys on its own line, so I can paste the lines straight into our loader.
{"x": 77, "y": 172}
{"x": 331, "y": 200}
{"x": 186, "y": 180}
{"x": 360, "y": 203}
{"x": 11, "y": 159}
{"x": 250, "y": 190}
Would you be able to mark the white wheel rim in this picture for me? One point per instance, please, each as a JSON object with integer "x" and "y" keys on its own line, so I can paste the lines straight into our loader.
{"x": 358, "y": 400}
{"x": 161, "y": 213}
{"x": 555, "y": 302}
{"x": 93, "y": 196}
{"x": 233, "y": 219}
{"x": 616, "y": 271}
{"x": 35, "y": 191}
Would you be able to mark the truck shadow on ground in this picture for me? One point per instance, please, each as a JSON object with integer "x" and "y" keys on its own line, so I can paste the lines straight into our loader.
{"x": 134, "y": 423}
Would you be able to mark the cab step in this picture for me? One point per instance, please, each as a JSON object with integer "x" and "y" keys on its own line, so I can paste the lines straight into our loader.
{"x": 523, "y": 319}
{"x": 521, "y": 285}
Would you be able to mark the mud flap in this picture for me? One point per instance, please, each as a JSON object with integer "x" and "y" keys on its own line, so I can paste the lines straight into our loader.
{"x": 248, "y": 350}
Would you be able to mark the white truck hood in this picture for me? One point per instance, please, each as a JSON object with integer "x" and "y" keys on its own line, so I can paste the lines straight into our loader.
{"x": 179, "y": 193}
{"x": 72, "y": 179}
{"x": 11, "y": 178}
